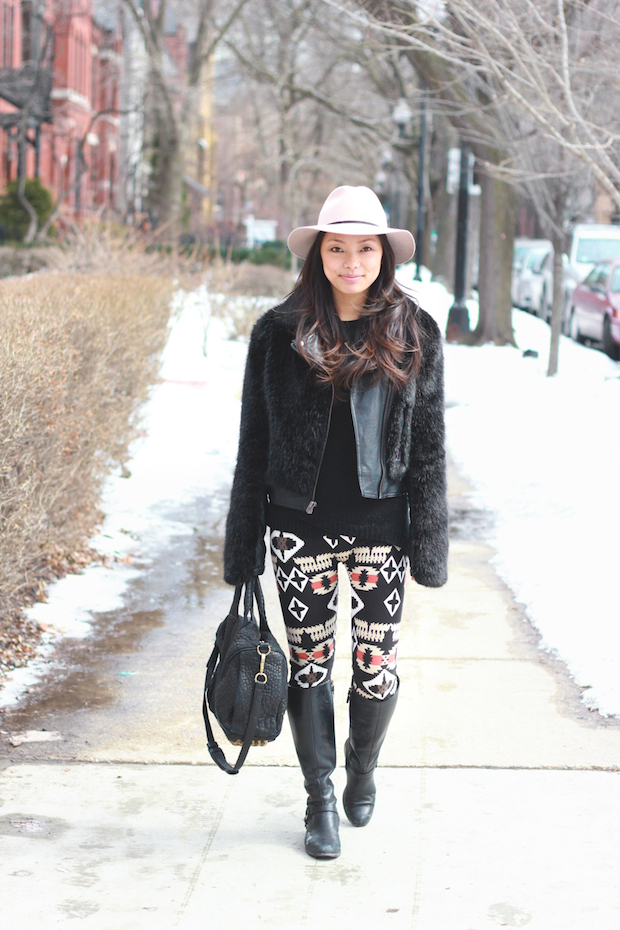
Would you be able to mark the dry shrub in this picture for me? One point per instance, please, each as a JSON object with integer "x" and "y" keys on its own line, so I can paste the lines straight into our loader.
{"x": 90, "y": 248}
{"x": 238, "y": 294}
{"x": 77, "y": 356}
{"x": 239, "y": 314}
{"x": 248, "y": 280}
{"x": 97, "y": 246}
{"x": 16, "y": 260}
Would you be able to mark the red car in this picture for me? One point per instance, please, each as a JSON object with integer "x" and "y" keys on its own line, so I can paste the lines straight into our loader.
{"x": 595, "y": 308}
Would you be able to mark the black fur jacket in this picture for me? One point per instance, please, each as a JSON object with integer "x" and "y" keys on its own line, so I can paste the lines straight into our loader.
{"x": 284, "y": 422}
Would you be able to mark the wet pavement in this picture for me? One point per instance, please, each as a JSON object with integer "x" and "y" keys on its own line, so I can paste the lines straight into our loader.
{"x": 499, "y": 797}
{"x": 135, "y": 655}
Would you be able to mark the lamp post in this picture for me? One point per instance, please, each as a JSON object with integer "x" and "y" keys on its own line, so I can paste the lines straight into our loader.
{"x": 458, "y": 318}
{"x": 421, "y": 221}
{"x": 401, "y": 115}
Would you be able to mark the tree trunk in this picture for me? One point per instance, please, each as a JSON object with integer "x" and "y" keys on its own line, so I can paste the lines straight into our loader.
{"x": 166, "y": 180}
{"x": 444, "y": 205}
{"x": 557, "y": 311}
{"x": 21, "y": 190}
{"x": 80, "y": 168}
{"x": 497, "y": 221}
{"x": 170, "y": 180}
{"x": 443, "y": 260}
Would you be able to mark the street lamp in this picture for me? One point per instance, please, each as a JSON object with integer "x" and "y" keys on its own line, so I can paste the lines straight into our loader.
{"x": 401, "y": 116}
{"x": 421, "y": 221}
{"x": 458, "y": 318}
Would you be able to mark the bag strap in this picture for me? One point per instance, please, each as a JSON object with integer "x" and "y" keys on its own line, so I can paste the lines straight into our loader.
{"x": 258, "y": 596}
{"x": 254, "y": 592}
{"x": 260, "y": 681}
{"x": 215, "y": 751}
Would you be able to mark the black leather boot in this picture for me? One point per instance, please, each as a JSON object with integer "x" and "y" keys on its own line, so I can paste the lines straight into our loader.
{"x": 369, "y": 722}
{"x": 311, "y": 715}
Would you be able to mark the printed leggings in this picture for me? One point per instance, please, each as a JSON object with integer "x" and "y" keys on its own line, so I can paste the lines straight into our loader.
{"x": 306, "y": 571}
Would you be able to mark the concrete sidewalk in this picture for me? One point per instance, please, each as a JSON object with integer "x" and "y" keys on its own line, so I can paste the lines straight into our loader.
{"x": 498, "y": 804}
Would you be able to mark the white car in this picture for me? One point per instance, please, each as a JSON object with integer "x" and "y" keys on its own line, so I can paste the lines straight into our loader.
{"x": 535, "y": 283}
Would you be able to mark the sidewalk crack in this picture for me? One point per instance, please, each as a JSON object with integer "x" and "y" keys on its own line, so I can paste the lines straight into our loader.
{"x": 205, "y": 852}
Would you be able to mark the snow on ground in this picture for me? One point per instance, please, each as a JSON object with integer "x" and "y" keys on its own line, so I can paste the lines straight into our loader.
{"x": 543, "y": 455}
{"x": 540, "y": 453}
{"x": 188, "y": 451}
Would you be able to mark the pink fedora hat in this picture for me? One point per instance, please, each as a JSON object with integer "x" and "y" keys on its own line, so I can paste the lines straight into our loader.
{"x": 353, "y": 211}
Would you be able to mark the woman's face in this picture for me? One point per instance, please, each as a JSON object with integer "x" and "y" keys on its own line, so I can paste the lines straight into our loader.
{"x": 351, "y": 264}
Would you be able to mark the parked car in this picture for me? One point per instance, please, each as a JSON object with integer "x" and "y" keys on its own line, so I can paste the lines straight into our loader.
{"x": 595, "y": 308}
{"x": 543, "y": 285}
{"x": 522, "y": 248}
{"x": 590, "y": 243}
{"x": 533, "y": 279}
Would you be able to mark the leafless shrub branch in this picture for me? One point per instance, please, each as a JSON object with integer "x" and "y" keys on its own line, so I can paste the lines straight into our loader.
{"x": 77, "y": 356}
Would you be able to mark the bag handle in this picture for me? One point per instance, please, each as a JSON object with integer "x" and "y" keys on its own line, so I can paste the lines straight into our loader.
{"x": 253, "y": 591}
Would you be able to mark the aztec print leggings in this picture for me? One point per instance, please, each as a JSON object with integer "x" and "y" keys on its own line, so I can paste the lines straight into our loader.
{"x": 306, "y": 571}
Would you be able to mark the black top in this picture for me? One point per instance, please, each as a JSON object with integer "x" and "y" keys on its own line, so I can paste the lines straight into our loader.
{"x": 340, "y": 507}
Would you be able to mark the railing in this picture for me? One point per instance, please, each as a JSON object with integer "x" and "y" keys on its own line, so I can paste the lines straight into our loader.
{"x": 27, "y": 88}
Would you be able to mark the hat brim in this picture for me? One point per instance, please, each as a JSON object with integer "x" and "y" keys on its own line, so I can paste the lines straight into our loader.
{"x": 402, "y": 242}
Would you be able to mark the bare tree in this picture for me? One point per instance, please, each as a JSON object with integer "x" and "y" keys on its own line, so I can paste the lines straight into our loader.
{"x": 556, "y": 60}
{"x": 466, "y": 97}
{"x": 317, "y": 96}
{"x": 318, "y": 118}
{"x": 170, "y": 119}
{"x": 28, "y": 89}
{"x": 554, "y": 182}
{"x": 550, "y": 67}
{"x": 80, "y": 169}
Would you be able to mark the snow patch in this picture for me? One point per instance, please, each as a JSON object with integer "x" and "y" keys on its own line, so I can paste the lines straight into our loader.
{"x": 542, "y": 454}
{"x": 188, "y": 450}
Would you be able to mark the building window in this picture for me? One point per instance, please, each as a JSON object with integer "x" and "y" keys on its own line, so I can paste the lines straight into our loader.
{"x": 82, "y": 65}
{"x": 78, "y": 63}
{"x": 11, "y": 28}
{"x": 83, "y": 88}
{"x": 26, "y": 37}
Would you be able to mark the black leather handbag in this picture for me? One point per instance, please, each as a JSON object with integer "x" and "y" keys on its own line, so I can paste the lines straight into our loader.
{"x": 246, "y": 685}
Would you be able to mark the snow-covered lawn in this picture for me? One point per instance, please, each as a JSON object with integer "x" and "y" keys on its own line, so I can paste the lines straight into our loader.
{"x": 542, "y": 455}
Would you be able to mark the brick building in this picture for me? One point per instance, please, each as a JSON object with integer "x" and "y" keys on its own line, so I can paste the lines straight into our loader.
{"x": 60, "y": 68}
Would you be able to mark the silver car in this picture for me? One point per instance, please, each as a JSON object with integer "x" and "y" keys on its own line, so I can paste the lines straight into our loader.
{"x": 522, "y": 248}
{"x": 534, "y": 288}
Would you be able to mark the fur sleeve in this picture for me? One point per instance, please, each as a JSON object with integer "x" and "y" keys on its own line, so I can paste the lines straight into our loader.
{"x": 244, "y": 550}
{"x": 426, "y": 478}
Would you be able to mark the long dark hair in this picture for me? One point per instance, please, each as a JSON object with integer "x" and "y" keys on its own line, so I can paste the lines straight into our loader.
{"x": 389, "y": 342}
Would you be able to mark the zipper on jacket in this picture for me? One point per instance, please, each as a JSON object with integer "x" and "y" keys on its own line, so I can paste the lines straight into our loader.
{"x": 386, "y": 408}
{"x": 312, "y": 505}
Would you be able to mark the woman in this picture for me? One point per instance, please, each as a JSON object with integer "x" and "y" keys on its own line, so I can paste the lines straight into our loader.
{"x": 341, "y": 454}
